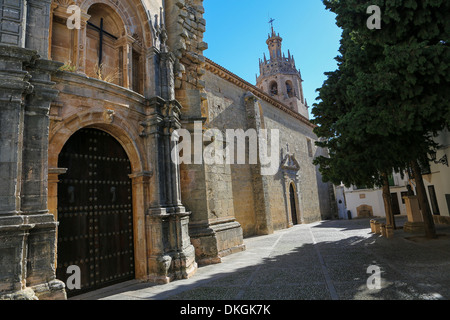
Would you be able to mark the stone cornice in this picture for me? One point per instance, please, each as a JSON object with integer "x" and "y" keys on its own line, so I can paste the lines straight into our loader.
{"x": 231, "y": 77}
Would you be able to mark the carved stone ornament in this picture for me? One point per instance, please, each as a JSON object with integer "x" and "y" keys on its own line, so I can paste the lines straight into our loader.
{"x": 289, "y": 162}
{"x": 108, "y": 116}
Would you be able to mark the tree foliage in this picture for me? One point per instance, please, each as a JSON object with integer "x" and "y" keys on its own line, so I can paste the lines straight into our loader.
{"x": 390, "y": 94}
{"x": 380, "y": 110}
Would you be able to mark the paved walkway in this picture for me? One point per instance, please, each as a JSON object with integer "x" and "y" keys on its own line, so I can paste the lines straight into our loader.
{"x": 321, "y": 261}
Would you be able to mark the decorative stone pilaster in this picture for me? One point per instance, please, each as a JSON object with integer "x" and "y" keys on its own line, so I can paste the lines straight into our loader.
{"x": 34, "y": 192}
{"x": 53, "y": 180}
{"x": 167, "y": 61}
{"x": 126, "y": 43}
{"x": 183, "y": 259}
{"x": 141, "y": 192}
{"x": 152, "y": 71}
{"x": 38, "y": 26}
{"x": 13, "y": 18}
{"x": 41, "y": 257}
{"x": 13, "y": 264}
{"x": 264, "y": 224}
{"x": 291, "y": 174}
{"x": 27, "y": 230}
{"x": 14, "y": 83}
{"x": 35, "y": 137}
{"x": 14, "y": 229}
{"x": 170, "y": 254}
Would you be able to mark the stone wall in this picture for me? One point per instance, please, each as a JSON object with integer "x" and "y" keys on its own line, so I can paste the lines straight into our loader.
{"x": 294, "y": 135}
{"x": 35, "y": 125}
{"x": 206, "y": 190}
{"x": 27, "y": 229}
{"x": 185, "y": 27}
{"x": 228, "y": 108}
{"x": 13, "y": 22}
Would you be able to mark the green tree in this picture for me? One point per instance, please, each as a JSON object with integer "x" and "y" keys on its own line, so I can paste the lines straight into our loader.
{"x": 389, "y": 96}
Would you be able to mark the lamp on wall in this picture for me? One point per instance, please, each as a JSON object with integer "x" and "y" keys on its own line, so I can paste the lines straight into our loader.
{"x": 443, "y": 160}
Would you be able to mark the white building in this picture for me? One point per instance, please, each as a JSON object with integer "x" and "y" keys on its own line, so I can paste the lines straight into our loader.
{"x": 358, "y": 200}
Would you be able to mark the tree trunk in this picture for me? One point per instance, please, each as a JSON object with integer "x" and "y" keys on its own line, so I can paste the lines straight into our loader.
{"x": 430, "y": 230}
{"x": 390, "y": 220}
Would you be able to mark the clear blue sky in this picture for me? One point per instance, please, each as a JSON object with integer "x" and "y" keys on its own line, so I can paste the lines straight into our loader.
{"x": 237, "y": 30}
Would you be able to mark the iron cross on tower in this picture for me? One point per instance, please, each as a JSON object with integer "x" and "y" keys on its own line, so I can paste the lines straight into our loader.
{"x": 102, "y": 32}
{"x": 271, "y": 22}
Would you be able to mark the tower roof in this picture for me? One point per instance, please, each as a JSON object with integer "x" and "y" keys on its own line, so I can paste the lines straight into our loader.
{"x": 279, "y": 76}
{"x": 277, "y": 62}
{"x": 274, "y": 36}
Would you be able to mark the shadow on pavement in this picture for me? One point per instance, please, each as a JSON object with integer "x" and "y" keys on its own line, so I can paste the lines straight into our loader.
{"x": 322, "y": 261}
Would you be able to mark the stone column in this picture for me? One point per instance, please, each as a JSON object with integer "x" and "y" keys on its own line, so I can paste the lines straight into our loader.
{"x": 35, "y": 138}
{"x": 183, "y": 258}
{"x": 38, "y": 26}
{"x": 53, "y": 180}
{"x": 141, "y": 191}
{"x": 13, "y": 18}
{"x": 170, "y": 254}
{"x": 262, "y": 203}
{"x": 156, "y": 217}
{"x": 13, "y": 251}
{"x": 152, "y": 87}
{"x": 27, "y": 231}
{"x": 153, "y": 136}
{"x": 82, "y": 45}
{"x": 183, "y": 261}
{"x": 14, "y": 84}
{"x": 53, "y": 6}
{"x": 125, "y": 44}
{"x": 34, "y": 192}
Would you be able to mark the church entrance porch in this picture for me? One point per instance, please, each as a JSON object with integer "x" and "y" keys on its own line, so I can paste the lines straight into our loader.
{"x": 95, "y": 211}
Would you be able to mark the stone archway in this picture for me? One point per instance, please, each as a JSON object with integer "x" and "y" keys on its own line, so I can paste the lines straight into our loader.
{"x": 95, "y": 211}
{"x": 140, "y": 174}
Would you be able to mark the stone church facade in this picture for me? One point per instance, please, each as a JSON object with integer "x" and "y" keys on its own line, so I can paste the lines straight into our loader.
{"x": 87, "y": 120}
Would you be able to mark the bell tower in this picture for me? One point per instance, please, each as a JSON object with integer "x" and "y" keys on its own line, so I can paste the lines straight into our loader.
{"x": 279, "y": 77}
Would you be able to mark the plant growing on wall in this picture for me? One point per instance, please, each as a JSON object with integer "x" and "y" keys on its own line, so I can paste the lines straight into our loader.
{"x": 69, "y": 66}
{"x": 101, "y": 73}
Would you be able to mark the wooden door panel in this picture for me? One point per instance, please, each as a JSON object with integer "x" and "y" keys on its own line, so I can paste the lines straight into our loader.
{"x": 94, "y": 211}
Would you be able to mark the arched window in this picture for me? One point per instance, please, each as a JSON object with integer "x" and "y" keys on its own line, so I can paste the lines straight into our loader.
{"x": 104, "y": 54}
{"x": 273, "y": 88}
{"x": 102, "y": 48}
{"x": 290, "y": 89}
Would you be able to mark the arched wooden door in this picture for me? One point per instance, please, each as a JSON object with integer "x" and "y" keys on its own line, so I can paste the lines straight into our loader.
{"x": 95, "y": 217}
{"x": 293, "y": 205}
